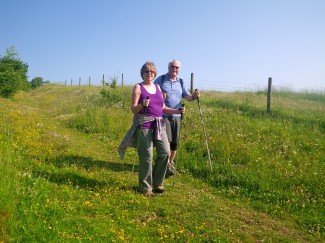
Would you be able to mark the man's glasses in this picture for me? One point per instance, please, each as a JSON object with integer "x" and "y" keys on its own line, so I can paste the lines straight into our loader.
{"x": 149, "y": 71}
{"x": 174, "y": 67}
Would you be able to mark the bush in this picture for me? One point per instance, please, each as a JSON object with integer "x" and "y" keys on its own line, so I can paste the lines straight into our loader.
{"x": 38, "y": 82}
{"x": 13, "y": 74}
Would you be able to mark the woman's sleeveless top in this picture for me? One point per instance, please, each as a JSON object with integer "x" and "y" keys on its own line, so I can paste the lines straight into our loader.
{"x": 155, "y": 105}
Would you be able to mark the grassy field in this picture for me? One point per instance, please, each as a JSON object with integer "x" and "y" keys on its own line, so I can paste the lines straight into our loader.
{"x": 61, "y": 179}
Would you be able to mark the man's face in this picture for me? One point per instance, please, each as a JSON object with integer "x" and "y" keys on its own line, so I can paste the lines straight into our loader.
{"x": 173, "y": 69}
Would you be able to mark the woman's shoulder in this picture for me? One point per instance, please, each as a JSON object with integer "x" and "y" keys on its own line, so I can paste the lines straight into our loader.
{"x": 137, "y": 87}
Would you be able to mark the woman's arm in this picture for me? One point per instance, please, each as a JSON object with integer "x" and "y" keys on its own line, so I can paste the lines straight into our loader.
{"x": 135, "y": 107}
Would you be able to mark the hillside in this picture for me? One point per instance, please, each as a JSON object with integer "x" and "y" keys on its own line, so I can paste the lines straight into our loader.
{"x": 60, "y": 171}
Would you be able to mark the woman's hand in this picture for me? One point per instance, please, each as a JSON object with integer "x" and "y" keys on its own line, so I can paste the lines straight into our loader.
{"x": 146, "y": 102}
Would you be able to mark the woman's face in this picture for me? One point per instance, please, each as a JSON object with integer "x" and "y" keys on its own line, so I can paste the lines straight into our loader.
{"x": 148, "y": 75}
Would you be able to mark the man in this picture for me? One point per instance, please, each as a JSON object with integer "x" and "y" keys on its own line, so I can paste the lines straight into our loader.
{"x": 174, "y": 90}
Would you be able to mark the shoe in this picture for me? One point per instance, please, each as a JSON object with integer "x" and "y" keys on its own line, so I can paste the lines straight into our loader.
{"x": 149, "y": 194}
{"x": 158, "y": 188}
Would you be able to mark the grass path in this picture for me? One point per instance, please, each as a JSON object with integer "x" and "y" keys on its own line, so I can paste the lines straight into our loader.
{"x": 188, "y": 200}
{"x": 103, "y": 203}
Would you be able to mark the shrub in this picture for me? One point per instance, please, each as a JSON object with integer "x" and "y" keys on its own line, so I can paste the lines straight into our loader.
{"x": 13, "y": 74}
{"x": 38, "y": 82}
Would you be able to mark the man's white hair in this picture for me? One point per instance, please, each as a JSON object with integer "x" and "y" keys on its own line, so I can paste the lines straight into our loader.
{"x": 174, "y": 61}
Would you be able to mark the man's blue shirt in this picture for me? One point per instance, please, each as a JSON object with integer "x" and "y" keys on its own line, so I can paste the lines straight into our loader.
{"x": 175, "y": 92}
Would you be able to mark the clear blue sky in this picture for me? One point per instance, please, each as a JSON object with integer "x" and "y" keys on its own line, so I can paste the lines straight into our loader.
{"x": 227, "y": 44}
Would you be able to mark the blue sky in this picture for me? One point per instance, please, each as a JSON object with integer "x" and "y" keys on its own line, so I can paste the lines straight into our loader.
{"x": 227, "y": 44}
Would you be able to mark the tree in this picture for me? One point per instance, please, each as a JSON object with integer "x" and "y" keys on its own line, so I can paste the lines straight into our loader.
{"x": 13, "y": 74}
{"x": 38, "y": 82}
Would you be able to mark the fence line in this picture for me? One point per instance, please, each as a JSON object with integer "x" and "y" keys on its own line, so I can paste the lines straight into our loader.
{"x": 268, "y": 104}
{"x": 201, "y": 84}
{"x": 257, "y": 88}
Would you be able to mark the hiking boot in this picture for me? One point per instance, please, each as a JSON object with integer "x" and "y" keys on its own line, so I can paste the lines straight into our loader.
{"x": 149, "y": 194}
{"x": 158, "y": 188}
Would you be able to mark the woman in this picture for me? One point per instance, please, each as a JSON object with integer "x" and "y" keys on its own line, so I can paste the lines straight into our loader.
{"x": 148, "y": 106}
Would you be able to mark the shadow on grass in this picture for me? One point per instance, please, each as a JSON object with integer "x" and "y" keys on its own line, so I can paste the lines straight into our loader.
{"x": 71, "y": 179}
{"x": 88, "y": 163}
{"x": 72, "y": 173}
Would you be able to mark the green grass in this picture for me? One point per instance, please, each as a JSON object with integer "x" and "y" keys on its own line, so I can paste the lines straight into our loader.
{"x": 8, "y": 182}
{"x": 62, "y": 180}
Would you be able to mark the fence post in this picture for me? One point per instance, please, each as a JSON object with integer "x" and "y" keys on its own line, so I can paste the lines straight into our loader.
{"x": 268, "y": 106}
{"x": 192, "y": 81}
{"x": 122, "y": 80}
{"x": 89, "y": 80}
{"x": 79, "y": 81}
{"x": 103, "y": 80}
{"x": 65, "y": 83}
{"x": 71, "y": 82}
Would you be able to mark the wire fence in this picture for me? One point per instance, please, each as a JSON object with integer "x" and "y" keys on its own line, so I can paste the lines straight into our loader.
{"x": 190, "y": 82}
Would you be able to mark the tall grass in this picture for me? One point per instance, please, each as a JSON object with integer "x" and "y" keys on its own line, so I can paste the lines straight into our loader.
{"x": 74, "y": 188}
{"x": 276, "y": 161}
{"x": 9, "y": 161}
{"x": 8, "y": 185}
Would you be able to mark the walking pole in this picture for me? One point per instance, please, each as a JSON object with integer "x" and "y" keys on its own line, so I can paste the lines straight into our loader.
{"x": 179, "y": 139}
{"x": 179, "y": 135}
{"x": 206, "y": 140}
{"x": 142, "y": 120}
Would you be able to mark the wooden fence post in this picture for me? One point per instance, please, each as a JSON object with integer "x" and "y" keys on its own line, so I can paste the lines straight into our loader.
{"x": 103, "y": 80}
{"x": 268, "y": 106}
{"x": 122, "y": 80}
{"x": 192, "y": 81}
{"x": 89, "y": 80}
{"x": 79, "y": 81}
{"x": 71, "y": 82}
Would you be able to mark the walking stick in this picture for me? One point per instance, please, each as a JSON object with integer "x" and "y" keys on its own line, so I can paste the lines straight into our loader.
{"x": 206, "y": 140}
{"x": 179, "y": 139}
{"x": 179, "y": 135}
{"x": 142, "y": 120}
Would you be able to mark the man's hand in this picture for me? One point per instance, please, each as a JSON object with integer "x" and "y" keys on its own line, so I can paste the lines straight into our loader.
{"x": 195, "y": 94}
